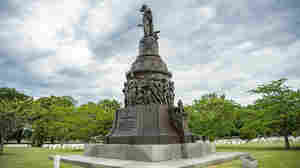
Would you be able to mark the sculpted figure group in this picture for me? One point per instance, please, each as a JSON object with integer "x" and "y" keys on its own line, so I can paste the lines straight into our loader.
{"x": 148, "y": 92}
{"x": 177, "y": 117}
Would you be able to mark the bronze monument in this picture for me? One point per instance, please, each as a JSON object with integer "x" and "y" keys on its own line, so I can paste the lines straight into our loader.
{"x": 149, "y": 115}
{"x": 150, "y": 131}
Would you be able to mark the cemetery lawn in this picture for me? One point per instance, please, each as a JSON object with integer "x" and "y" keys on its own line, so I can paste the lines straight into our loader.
{"x": 269, "y": 156}
{"x": 14, "y": 157}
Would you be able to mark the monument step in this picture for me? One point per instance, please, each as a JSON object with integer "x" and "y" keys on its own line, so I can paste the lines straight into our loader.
{"x": 212, "y": 159}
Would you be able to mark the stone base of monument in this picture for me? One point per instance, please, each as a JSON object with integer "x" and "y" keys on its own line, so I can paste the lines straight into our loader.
{"x": 150, "y": 152}
{"x": 153, "y": 156}
{"x": 94, "y": 162}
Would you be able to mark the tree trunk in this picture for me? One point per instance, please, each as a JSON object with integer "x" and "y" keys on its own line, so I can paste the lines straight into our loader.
{"x": 286, "y": 141}
{"x": 19, "y": 136}
{"x": 1, "y": 149}
{"x": 40, "y": 142}
{"x": 19, "y": 140}
{"x": 1, "y": 143}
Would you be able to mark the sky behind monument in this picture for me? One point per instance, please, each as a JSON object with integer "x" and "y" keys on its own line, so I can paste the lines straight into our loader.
{"x": 83, "y": 48}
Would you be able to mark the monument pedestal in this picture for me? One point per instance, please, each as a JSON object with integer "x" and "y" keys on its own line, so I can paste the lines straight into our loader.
{"x": 212, "y": 159}
{"x": 145, "y": 124}
{"x": 150, "y": 152}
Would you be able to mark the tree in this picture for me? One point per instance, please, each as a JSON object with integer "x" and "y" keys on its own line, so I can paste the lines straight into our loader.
{"x": 212, "y": 116}
{"x": 278, "y": 108}
{"x": 109, "y": 108}
{"x": 59, "y": 126}
{"x": 250, "y": 127}
{"x": 110, "y": 104}
{"x": 56, "y": 118}
{"x": 13, "y": 108}
{"x": 94, "y": 119}
{"x": 45, "y": 114}
{"x": 7, "y": 121}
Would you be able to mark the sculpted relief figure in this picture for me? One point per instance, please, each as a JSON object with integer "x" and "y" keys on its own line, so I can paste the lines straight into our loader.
{"x": 172, "y": 94}
{"x": 167, "y": 93}
{"x": 143, "y": 91}
{"x": 155, "y": 93}
{"x": 125, "y": 91}
{"x": 180, "y": 107}
{"x": 139, "y": 95}
{"x": 148, "y": 97}
{"x": 132, "y": 95}
{"x": 159, "y": 88}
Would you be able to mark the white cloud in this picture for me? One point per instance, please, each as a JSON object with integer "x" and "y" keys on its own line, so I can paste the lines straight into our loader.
{"x": 50, "y": 17}
{"x": 207, "y": 45}
{"x": 75, "y": 54}
{"x": 245, "y": 45}
{"x": 100, "y": 19}
{"x": 207, "y": 12}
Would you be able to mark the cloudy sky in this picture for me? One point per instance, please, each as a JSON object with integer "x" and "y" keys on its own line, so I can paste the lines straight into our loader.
{"x": 82, "y": 48}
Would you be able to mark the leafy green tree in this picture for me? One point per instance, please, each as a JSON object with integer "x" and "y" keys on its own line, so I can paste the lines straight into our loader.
{"x": 94, "y": 119}
{"x": 212, "y": 116}
{"x": 13, "y": 108}
{"x": 110, "y": 107}
{"x": 56, "y": 118}
{"x": 45, "y": 115}
{"x": 250, "y": 127}
{"x": 7, "y": 122}
{"x": 59, "y": 127}
{"x": 110, "y": 104}
{"x": 277, "y": 109}
{"x": 87, "y": 123}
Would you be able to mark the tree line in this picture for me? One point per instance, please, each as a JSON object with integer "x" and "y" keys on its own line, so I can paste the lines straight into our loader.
{"x": 57, "y": 118}
{"x": 52, "y": 119}
{"x": 275, "y": 113}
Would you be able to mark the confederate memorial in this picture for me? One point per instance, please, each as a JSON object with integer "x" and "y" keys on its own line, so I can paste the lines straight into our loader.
{"x": 149, "y": 116}
{"x": 150, "y": 131}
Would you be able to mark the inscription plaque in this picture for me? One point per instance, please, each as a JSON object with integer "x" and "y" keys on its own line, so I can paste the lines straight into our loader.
{"x": 127, "y": 122}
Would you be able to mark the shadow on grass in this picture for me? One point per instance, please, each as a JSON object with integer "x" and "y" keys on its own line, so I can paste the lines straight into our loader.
{"x": 7, "y": 154}
{"x": 258, "y": 148}
{"x": 69, "y": 150}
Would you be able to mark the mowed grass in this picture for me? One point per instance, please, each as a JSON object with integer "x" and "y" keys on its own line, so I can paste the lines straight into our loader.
{"x": 32, "y": 158}
{"x": 269, "y": 156}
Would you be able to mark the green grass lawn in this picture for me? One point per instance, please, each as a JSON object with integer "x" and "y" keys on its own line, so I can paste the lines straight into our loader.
{"x": 31, "y": 158}
{"x": 269, "y": 156}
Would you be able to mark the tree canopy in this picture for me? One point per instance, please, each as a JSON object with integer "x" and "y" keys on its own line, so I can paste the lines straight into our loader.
{"x": 213, "y": 116}
{"x": 13, "y": 108}
{"x": 57, "y": 119}
{"x": 278, "y": 108}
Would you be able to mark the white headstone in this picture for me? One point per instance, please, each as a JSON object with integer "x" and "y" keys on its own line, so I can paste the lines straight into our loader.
{"x": 56, "y": 161}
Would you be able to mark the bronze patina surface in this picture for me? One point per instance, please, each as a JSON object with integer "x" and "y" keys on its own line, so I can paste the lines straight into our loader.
{"x": 149, "y": 115}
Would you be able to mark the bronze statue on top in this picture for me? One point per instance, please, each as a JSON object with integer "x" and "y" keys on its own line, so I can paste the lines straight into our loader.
{"x": 148, "y": 22}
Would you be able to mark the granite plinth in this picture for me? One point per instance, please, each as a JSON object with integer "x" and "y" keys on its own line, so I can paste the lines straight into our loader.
{"x": 149, "y": 153}
{"x": 153, "y": 64}
{"x": 94, "y": 162}
{"x": 149, "y": 63}
{"x": 144, "y": 124}
{"x": 148, "y": 46}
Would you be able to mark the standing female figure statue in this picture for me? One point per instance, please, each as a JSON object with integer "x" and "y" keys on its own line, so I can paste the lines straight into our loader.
{"x": 147, "y": 21}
